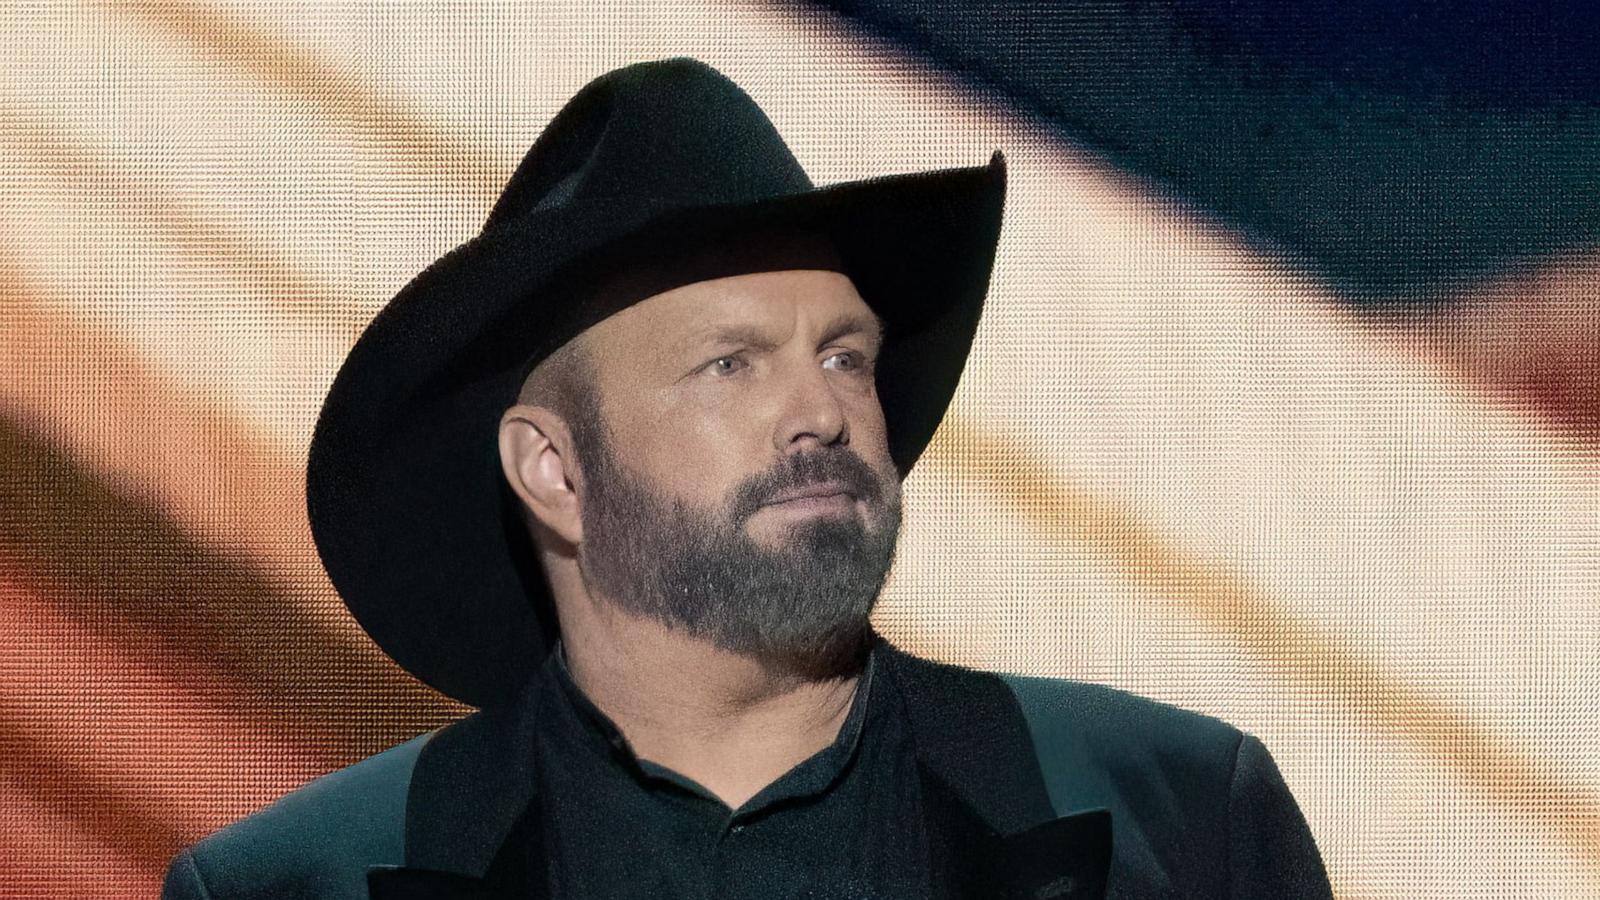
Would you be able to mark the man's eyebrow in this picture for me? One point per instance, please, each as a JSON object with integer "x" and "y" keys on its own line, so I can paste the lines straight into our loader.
{"x": 730, "y": 334}
{"x": 837, "y": 327}
{"x": 853, "y": 323}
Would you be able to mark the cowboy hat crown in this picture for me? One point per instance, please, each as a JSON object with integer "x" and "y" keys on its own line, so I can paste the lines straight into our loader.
{"x": 665, "y": 135}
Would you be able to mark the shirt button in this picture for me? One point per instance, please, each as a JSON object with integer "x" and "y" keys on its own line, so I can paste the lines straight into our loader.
{"x": 737, "y": 828}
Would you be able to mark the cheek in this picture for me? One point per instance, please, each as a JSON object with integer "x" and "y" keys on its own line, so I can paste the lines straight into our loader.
{"x": 707, "y": 429}
{"x": 869, "y": 434}
{"x": 692, "y": 449}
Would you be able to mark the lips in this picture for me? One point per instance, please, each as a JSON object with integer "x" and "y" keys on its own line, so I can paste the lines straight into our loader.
{"x": 825, "y": 489}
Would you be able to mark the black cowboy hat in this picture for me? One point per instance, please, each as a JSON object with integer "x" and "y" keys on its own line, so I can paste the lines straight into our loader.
{"x": 407, "y": 502}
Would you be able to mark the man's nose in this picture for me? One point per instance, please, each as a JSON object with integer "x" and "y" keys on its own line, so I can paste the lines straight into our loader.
{"x": 812, "y": 414}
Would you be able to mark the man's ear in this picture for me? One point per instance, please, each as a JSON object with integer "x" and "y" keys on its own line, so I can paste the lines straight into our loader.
{"x": 536, "y": 459}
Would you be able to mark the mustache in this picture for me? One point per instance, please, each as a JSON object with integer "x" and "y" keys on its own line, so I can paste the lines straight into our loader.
{"x": 804, "y": 470}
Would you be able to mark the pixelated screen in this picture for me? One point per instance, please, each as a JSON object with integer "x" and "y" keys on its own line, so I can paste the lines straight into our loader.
{"x": 1285, "y": 405}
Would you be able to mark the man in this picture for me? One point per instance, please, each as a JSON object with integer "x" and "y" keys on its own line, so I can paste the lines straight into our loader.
{"x": 624, "y": 471}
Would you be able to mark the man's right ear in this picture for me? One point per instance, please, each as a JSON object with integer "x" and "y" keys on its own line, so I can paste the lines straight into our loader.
{"x": 535, "y": 457}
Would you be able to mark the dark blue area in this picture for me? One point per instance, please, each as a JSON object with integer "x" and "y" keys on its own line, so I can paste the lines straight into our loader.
{"x": 1496, "y": 52}
{"x": 1397, "y": 150}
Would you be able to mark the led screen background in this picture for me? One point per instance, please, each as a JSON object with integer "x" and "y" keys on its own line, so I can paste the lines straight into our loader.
{"x": 1281, "y": 412}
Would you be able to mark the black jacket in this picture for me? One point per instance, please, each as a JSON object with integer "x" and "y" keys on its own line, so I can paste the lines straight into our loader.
{"x": 1031, "y": 788}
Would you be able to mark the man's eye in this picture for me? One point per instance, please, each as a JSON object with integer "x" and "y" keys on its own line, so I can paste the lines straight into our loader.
{"x": 724, "y": 365}
{"x": 851, "y": 360}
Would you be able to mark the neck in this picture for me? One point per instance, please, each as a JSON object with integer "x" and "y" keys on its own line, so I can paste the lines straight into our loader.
{"x": 729, "y": 722}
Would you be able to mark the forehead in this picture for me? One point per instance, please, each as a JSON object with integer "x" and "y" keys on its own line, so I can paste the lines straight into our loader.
{"x": 800, "y": 303}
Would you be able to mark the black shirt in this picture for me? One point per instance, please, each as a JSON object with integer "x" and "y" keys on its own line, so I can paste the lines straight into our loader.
{"x": 844, "y": 823}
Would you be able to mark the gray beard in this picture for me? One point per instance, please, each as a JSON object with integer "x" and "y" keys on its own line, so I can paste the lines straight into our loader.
{"x": 801, "y": 609}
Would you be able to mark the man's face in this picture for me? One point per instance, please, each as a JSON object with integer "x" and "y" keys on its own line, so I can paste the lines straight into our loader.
{"x": 720, "y": 400}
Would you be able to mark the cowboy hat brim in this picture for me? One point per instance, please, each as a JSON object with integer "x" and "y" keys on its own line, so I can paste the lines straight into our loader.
{"x": 404, "y": 490}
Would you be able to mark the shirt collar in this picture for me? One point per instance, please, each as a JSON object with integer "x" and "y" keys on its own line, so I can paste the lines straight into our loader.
{"x": 813, "y": 775}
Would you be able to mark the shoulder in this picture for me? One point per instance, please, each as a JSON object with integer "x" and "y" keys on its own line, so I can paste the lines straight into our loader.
{"x": 1080, "y": 720}
{"x": 316, "y": 841}
{"x": 1198, "y": 807}
{"x": 1096, "y": 746}
{"x": 1071, "y": 722}
{"x": 1194, "y": 800}
{"x": 1100, "y": 746}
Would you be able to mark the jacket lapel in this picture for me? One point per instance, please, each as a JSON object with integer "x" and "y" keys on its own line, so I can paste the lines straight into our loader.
{"x": 992, "y": 832}
{"x": 517, "y": 870}
{"x": 473, "y": 829}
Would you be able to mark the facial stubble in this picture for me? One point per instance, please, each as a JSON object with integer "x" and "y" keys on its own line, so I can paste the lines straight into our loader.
{"x": 801, "y": 608}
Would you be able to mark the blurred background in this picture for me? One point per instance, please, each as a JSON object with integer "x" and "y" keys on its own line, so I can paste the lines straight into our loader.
{"x": 1285, "y": 407}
